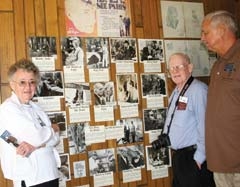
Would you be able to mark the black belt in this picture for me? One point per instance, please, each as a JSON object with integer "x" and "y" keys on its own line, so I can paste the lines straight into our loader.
{"x": 189, "y": 148}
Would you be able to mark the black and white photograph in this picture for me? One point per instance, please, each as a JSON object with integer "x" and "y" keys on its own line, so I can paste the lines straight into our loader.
{"x": 150, "y": 49}
{"x": 154, "y": 119}
{"x": 72, "y": 51}
{"x": 97, "y": 51}
{"x": 123, "y": 49}
{"x": 104, "y": 93}
{"x": 64, "y": 170}
{"x": 42, "y": 46}
{"x": 76, "y": 138}
{"x": 101, "y": 161}
{"x": 77, "y": 94}
{"x": 153, "y": 84}
{"x": 133, "y": 130}
{"x": 79, "y": 169}
{"x": 158, "y": 157}
{"x": 51, "y": 84}
{"x": 130, "y": 157}
{"x": 127, "y": 88}
{"x": 59, "y": 118}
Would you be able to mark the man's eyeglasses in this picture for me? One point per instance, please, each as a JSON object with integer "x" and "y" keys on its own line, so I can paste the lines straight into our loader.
{"x": 177, "y": 68}
{"x": 24, "y": 83}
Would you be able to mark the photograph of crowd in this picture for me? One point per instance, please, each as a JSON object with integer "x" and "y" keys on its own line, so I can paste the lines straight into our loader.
{"x": 101, "y": 161}
{"x": 154, "y": 118}
{"x": 153, "y": 84}
{"x": 133, "y": 130}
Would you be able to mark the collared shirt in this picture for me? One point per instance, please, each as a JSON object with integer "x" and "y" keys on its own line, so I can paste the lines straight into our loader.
{"x": 223, "y": 113}
{"x": 188, "y": 125}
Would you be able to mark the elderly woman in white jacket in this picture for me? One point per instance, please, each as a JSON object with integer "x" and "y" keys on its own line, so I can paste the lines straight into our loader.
{"x": 32, "y": 159}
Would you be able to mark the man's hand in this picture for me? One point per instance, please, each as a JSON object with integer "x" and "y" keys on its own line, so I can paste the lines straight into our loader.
{"x": 198, "y": 164}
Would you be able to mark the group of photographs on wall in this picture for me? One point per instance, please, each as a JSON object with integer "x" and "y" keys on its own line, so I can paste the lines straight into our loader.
{"x": 130, "y": 155}
{"x": 85, "y": 79}
{"x": 98, "y": 52}
{"x": 103, "y": 163}
{"x": 104, "y": 92}
{"x": 84, "y": 54}
{"x": 95, "y": 58}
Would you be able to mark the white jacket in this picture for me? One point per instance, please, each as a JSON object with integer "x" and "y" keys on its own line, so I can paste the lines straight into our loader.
{"x": 23, "y": 122}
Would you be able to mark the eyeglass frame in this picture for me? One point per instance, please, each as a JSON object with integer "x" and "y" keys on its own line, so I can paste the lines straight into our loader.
{"x": 24, "y": 83}
{"x": 177, "y": 68}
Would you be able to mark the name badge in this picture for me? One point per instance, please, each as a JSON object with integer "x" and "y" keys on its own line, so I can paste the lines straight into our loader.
{"x": 182, "y": 103}
{"x": 183, "y": 99}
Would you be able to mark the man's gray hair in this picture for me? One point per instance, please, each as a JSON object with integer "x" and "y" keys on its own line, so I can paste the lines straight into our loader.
{"x": 184, "y": 56}
{"x": 223, "y": 17}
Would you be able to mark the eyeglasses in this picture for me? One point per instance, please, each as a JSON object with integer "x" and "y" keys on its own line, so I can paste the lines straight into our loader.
{"x": 177, "y": 68}
{"x": 24, "y": 83}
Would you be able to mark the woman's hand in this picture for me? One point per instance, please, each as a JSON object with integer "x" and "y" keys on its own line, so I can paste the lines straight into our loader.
{"x": 55, "y": 127}
{"x": 25, "y": 149}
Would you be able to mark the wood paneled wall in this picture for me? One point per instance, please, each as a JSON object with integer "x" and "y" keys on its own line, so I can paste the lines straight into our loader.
{"x": 20, "y": 19}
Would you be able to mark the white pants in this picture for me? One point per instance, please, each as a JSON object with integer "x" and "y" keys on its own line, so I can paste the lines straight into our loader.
{"x": 16, "y": 183}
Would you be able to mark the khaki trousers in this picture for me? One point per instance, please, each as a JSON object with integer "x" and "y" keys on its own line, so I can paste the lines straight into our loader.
{"x": 227, "y": 179}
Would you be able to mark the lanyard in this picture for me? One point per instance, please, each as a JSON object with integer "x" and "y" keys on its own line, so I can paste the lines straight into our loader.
{"x": 184, "y": 89}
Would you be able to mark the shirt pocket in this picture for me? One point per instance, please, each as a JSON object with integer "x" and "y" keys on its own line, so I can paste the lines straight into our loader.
{"x": 181, "y": 117}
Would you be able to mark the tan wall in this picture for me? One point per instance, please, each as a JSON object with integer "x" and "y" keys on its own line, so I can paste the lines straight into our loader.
{"x": 20, "y": 19}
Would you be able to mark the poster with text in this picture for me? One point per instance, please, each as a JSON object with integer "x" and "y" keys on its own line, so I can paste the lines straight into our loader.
{"x": 98, "y": 18}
